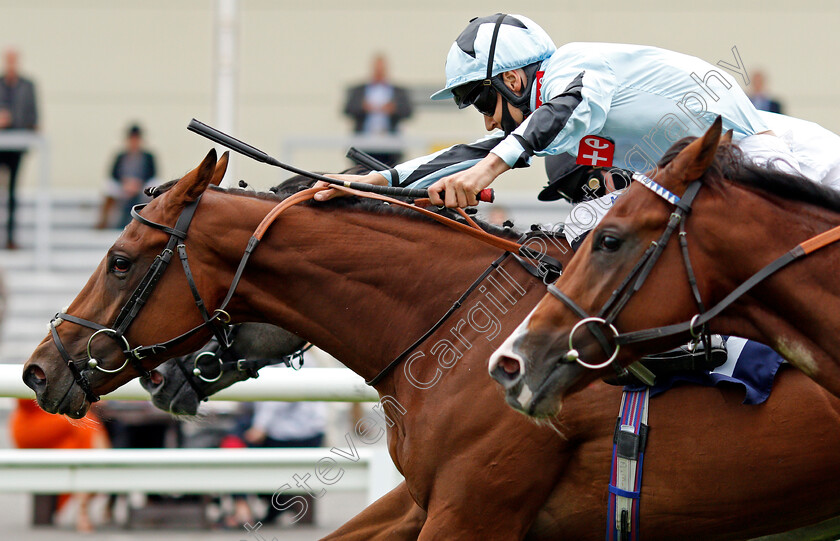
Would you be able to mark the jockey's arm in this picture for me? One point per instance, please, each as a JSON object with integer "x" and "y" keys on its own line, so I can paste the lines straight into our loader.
{"x": 423, "y": 171}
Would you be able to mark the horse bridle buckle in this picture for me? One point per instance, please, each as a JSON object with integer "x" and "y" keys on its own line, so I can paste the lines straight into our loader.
{"x": 574, "y": 356}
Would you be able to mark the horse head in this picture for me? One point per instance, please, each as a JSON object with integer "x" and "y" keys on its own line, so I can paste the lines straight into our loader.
{"x": 94, "y": 345}
{"x": 569, "y": 339}
{"x": 176, "y": 387}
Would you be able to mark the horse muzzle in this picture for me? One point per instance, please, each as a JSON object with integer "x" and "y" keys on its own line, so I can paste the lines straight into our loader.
{"x": 55, "y": 392}
{"x": 535, "y": 376}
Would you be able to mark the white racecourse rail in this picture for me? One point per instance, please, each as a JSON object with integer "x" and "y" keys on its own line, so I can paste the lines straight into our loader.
{"x": 277, "y": 384}
{"x": 349, "y": 466}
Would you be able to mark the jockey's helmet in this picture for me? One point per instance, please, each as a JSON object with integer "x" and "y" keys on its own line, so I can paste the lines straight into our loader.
{"x": 488, "y": 47}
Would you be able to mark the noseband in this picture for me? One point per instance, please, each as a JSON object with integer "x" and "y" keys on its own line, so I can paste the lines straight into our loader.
{"x": 636, "y": 278}
{"x": 116, "y": 331}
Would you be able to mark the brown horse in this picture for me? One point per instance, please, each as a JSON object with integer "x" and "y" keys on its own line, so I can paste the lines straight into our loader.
{"x": 744, "y": 217}
{"x": 363, "y": 283}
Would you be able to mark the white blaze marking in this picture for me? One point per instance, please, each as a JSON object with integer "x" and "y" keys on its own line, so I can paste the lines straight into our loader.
{"x": 525, "y": 396}
{"x": 506, "y": 349}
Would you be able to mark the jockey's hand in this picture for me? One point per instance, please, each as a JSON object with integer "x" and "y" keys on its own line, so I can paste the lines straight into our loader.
{"x": 463, "y": 187}
{"x": 370, "y": 178}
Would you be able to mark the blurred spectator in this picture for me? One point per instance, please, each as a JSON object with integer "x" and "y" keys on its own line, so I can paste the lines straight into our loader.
{"x": 377, "y": 107}
{"x": 133, "y": 170}
{"x": 18, "y": 111}
{"x": 281, "y": 424}
{"x": 759, "y": 97}
{"x": 33, "y": 428}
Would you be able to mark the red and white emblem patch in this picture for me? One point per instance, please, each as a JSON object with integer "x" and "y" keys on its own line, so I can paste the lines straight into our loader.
{"x": 595, "y": 151}
{"x": 539, "y": 100}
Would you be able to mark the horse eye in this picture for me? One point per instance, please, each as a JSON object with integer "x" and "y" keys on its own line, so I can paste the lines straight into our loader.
{"x": 608, "y": 243}
{"x": 120, "y": 265}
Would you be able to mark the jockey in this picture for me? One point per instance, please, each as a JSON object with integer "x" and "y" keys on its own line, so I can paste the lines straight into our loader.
{"x": 539, "y": 100}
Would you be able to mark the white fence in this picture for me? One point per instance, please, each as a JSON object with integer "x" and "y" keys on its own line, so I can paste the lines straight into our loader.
{"x": 279, "y": 384}
{"x": 350, "y": 466}
{"x": 198, "y": 471}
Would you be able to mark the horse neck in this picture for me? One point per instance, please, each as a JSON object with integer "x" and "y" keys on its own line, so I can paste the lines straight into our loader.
{"x": 360, "y": 285}
{"x": 780, "y": 311}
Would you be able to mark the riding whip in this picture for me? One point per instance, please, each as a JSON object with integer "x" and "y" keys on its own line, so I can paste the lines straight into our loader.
{"x": 241, "y": 147}
{"x": 366, "y": 160}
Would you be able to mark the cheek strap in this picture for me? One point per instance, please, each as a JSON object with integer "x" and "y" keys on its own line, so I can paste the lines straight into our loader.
{"x": 508, "y": 123}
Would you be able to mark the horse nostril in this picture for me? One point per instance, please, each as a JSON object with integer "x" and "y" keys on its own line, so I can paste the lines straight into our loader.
{"x": 510, "y": 366}
{"x": 35, "y": 378}
{"x": 156, "y": 377}
{"x": 508, "y": 371}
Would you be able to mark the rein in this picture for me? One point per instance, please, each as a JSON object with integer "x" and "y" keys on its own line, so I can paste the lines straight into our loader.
{"x": 697, "y": 326}
{"x": 217, "y": 320}
{"x": 798, "y": 252}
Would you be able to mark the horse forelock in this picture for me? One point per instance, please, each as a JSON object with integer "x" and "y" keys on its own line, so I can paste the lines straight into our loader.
{"x": 732, "y": 165}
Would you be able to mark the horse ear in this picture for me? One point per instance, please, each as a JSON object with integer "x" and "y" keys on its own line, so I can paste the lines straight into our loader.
{"x": 221, "y": 167}
{"x": 693, "y": 160}
{"x": 726, "y": 138}
{"x": 193, "y": 184}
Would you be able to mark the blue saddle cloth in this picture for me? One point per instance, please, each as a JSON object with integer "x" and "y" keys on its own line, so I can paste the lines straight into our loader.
{"x": 749, "y": 364}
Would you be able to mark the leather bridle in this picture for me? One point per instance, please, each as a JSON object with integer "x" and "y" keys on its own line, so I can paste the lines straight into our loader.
{"x": 697, "y": 326}
{"x": 637, "y": 277}
{"x": 216, "y": 321}
{"x": 229, "y": 359}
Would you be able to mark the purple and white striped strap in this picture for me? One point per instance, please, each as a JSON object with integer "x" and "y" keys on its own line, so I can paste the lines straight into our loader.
{"x": 656, "y": 188}
{"x": 623, "y": 516}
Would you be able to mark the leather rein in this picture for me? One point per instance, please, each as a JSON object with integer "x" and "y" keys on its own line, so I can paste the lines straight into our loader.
{"x": 697, "y": 326}
{"x": 218, "y": 319}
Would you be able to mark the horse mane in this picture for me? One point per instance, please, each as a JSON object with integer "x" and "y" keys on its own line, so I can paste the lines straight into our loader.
{"x": 297, "y": 183}
{"x": 730, "y": 163}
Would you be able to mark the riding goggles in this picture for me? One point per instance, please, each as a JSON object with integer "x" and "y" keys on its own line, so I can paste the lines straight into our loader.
{"x": 481, "y": 94}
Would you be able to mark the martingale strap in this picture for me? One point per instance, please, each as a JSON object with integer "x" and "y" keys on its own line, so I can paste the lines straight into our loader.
{"x": 402, "y": 356}
{"x": 626, "y": 474}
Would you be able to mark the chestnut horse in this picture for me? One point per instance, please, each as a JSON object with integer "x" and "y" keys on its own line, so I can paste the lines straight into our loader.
{"x": 363, "y": 282}
{"x": 743, "y": 219}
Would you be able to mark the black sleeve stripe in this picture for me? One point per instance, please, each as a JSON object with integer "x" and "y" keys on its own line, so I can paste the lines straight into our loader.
{"x": 522, "y": 160}
{"x": 551, "y": 117}
{"x": 456, "y": 154}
